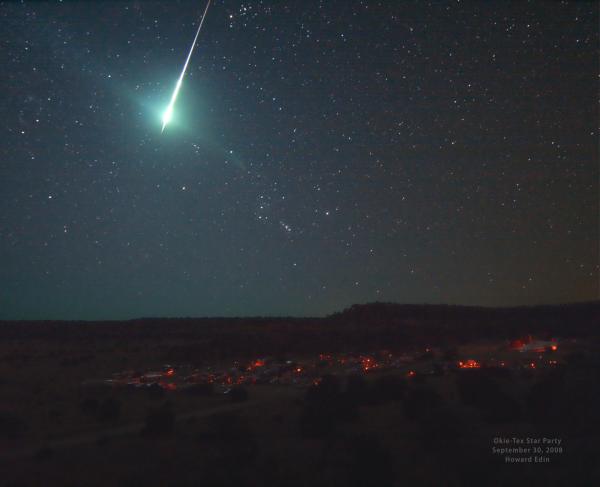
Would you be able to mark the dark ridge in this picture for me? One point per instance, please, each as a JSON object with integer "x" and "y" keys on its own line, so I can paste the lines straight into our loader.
{"x": 374, "y": 310}
{"x": 395, "y": 311}
{"x": 373, "y": 326}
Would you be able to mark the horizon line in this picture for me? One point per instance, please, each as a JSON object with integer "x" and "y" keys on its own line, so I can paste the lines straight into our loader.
{"x": 332, "y": 314}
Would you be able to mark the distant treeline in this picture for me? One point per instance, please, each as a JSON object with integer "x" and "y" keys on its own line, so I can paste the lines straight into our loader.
{"x": 358, "y": 328}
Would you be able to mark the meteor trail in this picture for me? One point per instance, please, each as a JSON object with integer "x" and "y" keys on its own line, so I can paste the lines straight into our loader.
{"x": 169, "y": 111}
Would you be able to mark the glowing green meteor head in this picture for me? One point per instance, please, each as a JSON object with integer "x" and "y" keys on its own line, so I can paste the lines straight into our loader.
{"x": 169, "y": 111}
{"x": 167, "y": 116}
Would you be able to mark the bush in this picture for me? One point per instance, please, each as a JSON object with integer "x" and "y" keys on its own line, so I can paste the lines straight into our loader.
{"x": 233, "y": 449}
{"x": 238, "y": 394}
{"x": 370, "y": 464}
{"x": 450, "y": 354}
{"x": 225, "y": 428}
{"x": 482, "y": 390}
{"x": 200, "y": 390}
{"x": 568, "y": 400}
{"x": 475, "y": 387}
{"x": 502, "y": 409}
{"x": 316, "y": 422}
{"x": 576, "y": 358}
{"x": 428, "y": 355}
{"x": 441, "y": 424}
{"x": 325, "y": 406}
{"x": 11, "y": 425}
{"x": 419, "y": 403}
{"x": 43, "y": 453}
{"x": 389, "y": 388}
{"x": 109, "y": 410}
{"x": 328, "y": 389}
{"x": 502, "y": 374}
{"x": 160, "y": 421}
{"x": 89, "y": 406}
{"x": 155, "y": 391}
{"x": 357, "y": 390}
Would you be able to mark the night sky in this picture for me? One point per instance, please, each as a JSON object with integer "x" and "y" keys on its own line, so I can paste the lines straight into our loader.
{"x": 321, "y": 153}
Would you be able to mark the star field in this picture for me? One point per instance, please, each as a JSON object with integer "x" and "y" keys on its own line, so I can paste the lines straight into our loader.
{"x": 321, "y": 153}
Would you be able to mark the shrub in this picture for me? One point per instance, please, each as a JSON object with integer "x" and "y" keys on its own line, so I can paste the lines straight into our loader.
{"x": 200, "y": 389}
{"x": 325, "y": 406}
{"x": 482, "y": 390}
{"x": 389, "y": 388}
{"x": 155, "y": 391}
{"x": 329, "y": 388}
{"x": 427, "y": 355}
{"x": 568, "y": 399}
{"x": 475, "y": 387}
{"x": 238, "y": 394}
{"x": 502, "y": 409}
{"x": 357, "y": 389}
{"x": 441, "y": 424}
{"x": 231, "y": 443}
{"x": 420, "y": 401}
{"x": 11, "y": 425}
{"x": 89, "y": 406}
{"x": 160, "y": 421}
{"x": 370, "y": 463}
{"x": 43, "y": 453}
{"x": 316, "y": 422}
{"x": 450, "y": 354}
{"x": 109, "y": 410}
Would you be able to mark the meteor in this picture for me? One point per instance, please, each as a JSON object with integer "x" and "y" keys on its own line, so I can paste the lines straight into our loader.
{"x": 168, "y": 114}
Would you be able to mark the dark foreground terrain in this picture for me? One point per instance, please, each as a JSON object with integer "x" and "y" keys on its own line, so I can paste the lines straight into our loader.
{"x": 377, "y": 395}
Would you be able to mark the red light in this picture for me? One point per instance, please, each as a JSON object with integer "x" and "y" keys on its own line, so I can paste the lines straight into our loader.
{"x": 532, "y": 365}
{"x": 367, "y": 363}
{"x": 256, "y": 363}
{"x": 469, "y": 364}
{"x": 411, "y": 373}
{"x": 170, "y": 372}
{"x": 554, "y": 348}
